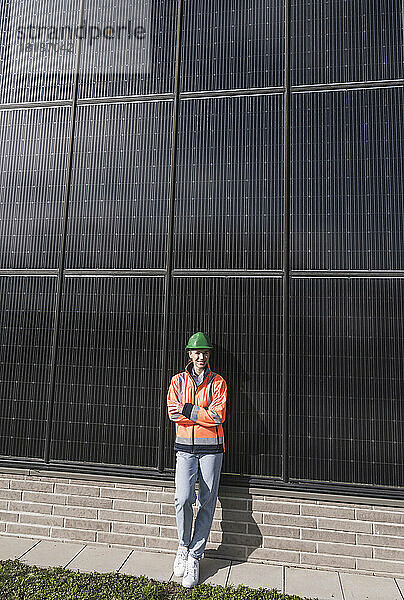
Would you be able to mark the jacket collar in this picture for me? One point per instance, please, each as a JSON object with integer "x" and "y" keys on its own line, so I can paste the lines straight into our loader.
{"x": 206, "y": 371}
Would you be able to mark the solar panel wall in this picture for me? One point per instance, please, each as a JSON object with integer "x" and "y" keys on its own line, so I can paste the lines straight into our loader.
{"x": 235, "y": 168}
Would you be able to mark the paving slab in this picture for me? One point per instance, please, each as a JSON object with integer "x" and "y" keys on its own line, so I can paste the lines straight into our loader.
{"x": 14, "y": 547}
{"x": 212, "y": 571}
{"x": 155, "y": 565}
{"x": 400, "y": 583}
{"x": 52, "y": 554}
{"x": 100, "y": 559}
{"x": 255, "y": 575}
{"x": 312, "y": 583}
{"x": 369, "y": 587}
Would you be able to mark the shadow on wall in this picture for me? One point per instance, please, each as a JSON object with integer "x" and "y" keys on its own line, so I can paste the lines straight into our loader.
{"x": 236, "y": 532}
{"x": 252, "y": 426}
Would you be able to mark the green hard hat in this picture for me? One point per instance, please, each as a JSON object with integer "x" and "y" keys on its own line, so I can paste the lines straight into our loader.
{"x": 198, "y": 341}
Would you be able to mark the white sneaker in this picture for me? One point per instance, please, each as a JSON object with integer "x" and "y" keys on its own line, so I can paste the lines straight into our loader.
{"x": 180, "y": 561}
{"x": 191, "y": 575}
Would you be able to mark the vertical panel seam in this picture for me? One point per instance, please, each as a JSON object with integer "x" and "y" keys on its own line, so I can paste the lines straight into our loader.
{"x": 286, "y": 274}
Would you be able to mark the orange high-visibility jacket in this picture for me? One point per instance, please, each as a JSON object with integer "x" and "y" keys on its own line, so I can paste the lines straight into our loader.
{"x": 198, "y": 412}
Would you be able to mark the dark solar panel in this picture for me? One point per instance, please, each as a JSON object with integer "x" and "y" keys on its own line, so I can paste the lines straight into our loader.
{"x": 346, "y": 40}
{"x": 346, "y": 380}
{"x": 37, "y": 49}
{"x": 348, "y": 180}
{"x": 228, "y": 212}
{"x": 120, "y": 186}
{"x": 129, "y": 48}
{"x": 107, "y": 397}
{"x": 27, "y": 307}
{"x": 231, "y": 44}
{"x": 34, "y": 147}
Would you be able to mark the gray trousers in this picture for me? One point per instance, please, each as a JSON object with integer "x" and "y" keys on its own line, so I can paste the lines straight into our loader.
{"x": 188, "y": 468}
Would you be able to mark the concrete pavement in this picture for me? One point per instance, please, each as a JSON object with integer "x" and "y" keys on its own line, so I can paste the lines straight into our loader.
{"x": 309, "y": 583}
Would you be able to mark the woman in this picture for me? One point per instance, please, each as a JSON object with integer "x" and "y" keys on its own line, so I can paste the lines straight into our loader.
{"x": 197, "y": 404}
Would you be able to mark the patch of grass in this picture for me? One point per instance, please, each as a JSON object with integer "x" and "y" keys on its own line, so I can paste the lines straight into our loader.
{"x": 23, "y": 582}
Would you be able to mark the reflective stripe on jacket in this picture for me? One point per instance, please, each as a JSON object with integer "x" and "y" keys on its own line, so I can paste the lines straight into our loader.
{"x": 198, "y": 411}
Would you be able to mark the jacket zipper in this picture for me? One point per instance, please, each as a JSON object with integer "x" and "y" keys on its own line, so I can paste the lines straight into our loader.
{"x": 193, "y": 426}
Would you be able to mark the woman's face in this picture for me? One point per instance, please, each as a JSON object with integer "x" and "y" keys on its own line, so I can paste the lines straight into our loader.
{"x": 200, "y": 358}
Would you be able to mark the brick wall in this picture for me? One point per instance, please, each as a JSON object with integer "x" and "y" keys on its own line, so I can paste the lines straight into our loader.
{"x": 321, "y": 531}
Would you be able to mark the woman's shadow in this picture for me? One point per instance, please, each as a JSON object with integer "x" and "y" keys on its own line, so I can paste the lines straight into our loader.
{"x": 237, "y": 533}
